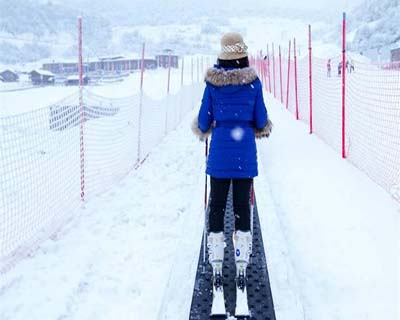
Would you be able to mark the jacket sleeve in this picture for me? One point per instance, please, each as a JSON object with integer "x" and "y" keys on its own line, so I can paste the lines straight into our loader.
{"x": 260, "y": 111}
{"x": 206, "y": 117}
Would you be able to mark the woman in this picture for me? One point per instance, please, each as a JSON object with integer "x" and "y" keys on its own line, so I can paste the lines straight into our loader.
{"x": 233, "y": 108}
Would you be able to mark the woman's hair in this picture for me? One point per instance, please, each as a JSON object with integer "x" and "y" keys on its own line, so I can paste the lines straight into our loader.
{"x": 236, "y": 63}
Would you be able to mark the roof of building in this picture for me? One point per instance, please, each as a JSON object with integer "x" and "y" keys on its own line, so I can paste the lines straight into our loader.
{"x": 43, "y": 72}
{"x": 8, "y": 70}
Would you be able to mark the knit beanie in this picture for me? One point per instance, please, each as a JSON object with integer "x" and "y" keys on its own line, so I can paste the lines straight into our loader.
{"x": 232, "y": 47}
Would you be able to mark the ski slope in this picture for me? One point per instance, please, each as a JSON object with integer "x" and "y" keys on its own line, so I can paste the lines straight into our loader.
{"x": 131, "y": 253}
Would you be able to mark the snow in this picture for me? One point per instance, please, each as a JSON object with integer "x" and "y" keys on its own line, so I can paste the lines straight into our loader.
{"x": 330, "y": 236}
{"x": 341, "y": 228}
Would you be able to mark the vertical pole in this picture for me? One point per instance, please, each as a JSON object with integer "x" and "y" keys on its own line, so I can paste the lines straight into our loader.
{"x": 182, "y": 68}
{"x": 295, "y": 79}
{"x": 169, "y": 71}
{"x": 344, "y": 70}
{"x": 273, "y": 68}
{"x": 252, "y": 207}
{"x": 198, "y": 69}
{"x": 142, "y": 68}
{"x": 205, "y": 211}
{"x": 192, "y": 70}
{"x": 140, "y": 106}
{"x": 310, "y": 77}
{"x": 82, "y": 109}
{"x": 280, "y": 72}
{"x": 288, "y": 76}
{"x": 202, "y": 64}
{"x": 168, "y": 84}
{"x": 268, "y": 69}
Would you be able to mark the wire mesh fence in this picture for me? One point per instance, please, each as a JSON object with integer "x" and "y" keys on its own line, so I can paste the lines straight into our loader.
{"x": 359, "y": 116}
{"x": 42, "y": 153}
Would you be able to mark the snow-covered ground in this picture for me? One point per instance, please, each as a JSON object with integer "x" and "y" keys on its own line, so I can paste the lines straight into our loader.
{"x": 331, "y": 238}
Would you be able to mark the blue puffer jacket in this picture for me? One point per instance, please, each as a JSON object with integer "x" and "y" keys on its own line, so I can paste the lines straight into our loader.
{"x": 233, "y": 103}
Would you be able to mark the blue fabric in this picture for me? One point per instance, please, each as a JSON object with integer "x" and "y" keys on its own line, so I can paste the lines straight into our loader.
{"x": 237, "y": 110}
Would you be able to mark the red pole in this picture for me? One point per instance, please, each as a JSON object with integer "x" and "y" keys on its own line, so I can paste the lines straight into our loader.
{"x": 82, "y": 109}
{"x": 288, "y": 77}
{"x": 295, "y": 79}
{"x": 273, "y": 68}
{"x": 310, "y": 77}
{"x": 80, "y": 52}
{"x": 280, "y": 73}
{"x": 269, "y": 71}
{"x": 344, "y": 69}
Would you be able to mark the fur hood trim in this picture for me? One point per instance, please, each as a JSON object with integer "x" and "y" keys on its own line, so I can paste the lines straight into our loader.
{"x": 222, "y": 77}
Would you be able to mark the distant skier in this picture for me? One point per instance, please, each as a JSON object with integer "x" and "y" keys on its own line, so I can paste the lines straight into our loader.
{"x": 328, "y": 68}
{"x": 233, "y": 109}
{"x": 351, "y": 66}
{"x": 340, "y": 65}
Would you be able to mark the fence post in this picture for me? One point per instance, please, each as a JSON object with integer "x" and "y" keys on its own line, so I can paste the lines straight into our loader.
{"x": 269, "y": 70}
{"x": 182, "y": 67}
{"x": 288, "y": 77}
{"x": 295, "y": 79}
{"x": 169, "y": 71}
{"x": 310, "y": 77}
{"x": 344, "y": 70}
{"x": 140, "y": 105}
{"x": 280, "y": 73}
{"x": 192, "y": 70}
{"x": 82, "y": 109}
{"x": 273, "y": 67}
{"x": 169, "y": 80}
{"x": 198, "y": 69}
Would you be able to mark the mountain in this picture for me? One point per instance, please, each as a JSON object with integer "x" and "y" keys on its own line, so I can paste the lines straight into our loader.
{"x": 376, "y": 27}
{"x": 32, "y": 30}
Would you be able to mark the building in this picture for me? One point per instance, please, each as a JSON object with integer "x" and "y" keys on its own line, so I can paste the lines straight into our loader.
{"x": 64, "y": 67}
{"x": 74, "y": 80}
{"x": 163, "y": 60}
{"x": 41, "y": 77}
{"x": 395, "y": 55}
{"x": 9, "y": 76}
{"x": 115, "y": 64}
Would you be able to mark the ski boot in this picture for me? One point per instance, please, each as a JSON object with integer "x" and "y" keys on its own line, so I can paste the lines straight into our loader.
{"x": 216, "y": 245}
{"x": 242, "y": 243}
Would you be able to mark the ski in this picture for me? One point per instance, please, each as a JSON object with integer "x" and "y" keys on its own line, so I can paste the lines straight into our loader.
{"x": 242, "y": 308}
{"x": 218, "y": 299}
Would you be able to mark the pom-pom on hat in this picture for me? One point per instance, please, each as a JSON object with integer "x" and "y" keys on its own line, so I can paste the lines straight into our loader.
{"x": 232, "y": 47}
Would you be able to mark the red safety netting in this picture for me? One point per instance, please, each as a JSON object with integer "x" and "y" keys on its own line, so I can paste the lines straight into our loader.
{"x": 53, "y": 157}
{"x": 371, "y": 121}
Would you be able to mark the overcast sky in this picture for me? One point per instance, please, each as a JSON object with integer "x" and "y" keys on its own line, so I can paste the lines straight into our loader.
{"x": 319, "y": 4}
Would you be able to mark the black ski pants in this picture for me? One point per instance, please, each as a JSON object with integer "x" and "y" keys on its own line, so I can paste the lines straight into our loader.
{"x": 241, "y": 203}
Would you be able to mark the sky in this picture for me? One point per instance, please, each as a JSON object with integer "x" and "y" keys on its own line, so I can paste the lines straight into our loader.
{"x": 319, "y": 4}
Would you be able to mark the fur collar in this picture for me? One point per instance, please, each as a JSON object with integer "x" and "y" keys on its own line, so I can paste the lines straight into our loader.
{"x": 221, "y": 77}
